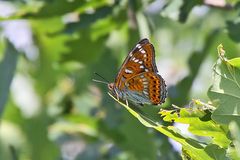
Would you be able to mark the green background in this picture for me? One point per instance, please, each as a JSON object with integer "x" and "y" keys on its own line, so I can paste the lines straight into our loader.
{"x": 51, "y": 109}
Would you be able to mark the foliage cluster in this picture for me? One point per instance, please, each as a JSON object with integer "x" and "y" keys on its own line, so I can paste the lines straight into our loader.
{"x": 50, "y": 109}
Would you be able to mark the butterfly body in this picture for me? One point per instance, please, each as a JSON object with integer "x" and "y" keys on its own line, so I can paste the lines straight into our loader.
{"x": 137, "y": 79}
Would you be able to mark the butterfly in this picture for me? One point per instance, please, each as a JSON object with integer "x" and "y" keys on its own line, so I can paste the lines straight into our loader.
{"x": 138, "y": 80}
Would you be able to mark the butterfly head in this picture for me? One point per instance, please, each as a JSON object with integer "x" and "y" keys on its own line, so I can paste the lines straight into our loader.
{"x": 113, "y": 90}
{"x": 111, "y": 86}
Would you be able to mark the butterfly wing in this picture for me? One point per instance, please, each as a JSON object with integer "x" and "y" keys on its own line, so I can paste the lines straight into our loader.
{"x": 146, "y": 87}
{"x": 140, "y": 59}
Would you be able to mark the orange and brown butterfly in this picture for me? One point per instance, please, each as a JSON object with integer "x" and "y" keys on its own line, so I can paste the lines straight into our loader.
{"x": 138, "y": 80}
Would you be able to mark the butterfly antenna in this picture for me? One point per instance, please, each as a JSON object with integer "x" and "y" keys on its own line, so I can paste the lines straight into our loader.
{"x": 98, "y": 81}
{"x": 101, "y": 77}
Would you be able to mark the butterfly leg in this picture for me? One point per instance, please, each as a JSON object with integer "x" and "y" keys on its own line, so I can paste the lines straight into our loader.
{"x": 117, "y": 96}
{"x": 126, "y": 102}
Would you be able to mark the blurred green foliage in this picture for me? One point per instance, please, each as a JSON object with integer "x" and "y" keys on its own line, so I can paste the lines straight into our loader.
{"x": 50, "y": 109}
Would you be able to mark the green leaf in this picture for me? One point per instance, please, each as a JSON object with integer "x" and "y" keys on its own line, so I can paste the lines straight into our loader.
{"x": 7, "y": 69}
{"x": 51, "y": 44}
{"x": 61, "y": 7}
{"x": 89, "y": 19}
{"x": 49, "y": 37}
{"x": 186, "y": 8}
{"x": 225, "y": 91}
{"x": 235, "y": 133}
{"x": 235, "y": 62}
{"x": 233, "y": 30}
{"x": 193, "y": 148}
{"x": 84, "y": 45}
{"x": 216, "y": 152}
{"x": 198, "y": 125}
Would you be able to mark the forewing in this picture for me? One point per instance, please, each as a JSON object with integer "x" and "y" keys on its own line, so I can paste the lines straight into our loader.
{"x": 148, "y": 85}
{"x": 140, "y": 59}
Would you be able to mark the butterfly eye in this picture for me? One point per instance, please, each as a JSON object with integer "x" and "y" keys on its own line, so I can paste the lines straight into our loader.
{"x": 110, "y": 86}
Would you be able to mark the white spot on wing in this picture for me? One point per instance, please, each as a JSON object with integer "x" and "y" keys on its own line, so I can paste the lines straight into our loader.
{"x": 128, "y": 71}
{"x": 145, "y": 92}
{"x": 145, "y": 82}
{"x": 138, "y": 46}
{"x": 142, "y": 51}
{"x": 146, "y": 70}
{"x": 141, "y": 67}
{"x": 140, "y": 62}
{"x": 136, "y": 60}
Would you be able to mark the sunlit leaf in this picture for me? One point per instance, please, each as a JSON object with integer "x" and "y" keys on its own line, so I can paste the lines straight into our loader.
{"x": 198, "y": 125}
{"x": 235, "y": 132}
{"x": 235, "y": 62}
{"x": 225, "y": 91}
{"x": 56, "y": 8}
{"x": 74, "y": 39}
{"x": 193, "y": 148}
{"x": 52, "y": 46}
{"x": 88, "y": 19}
